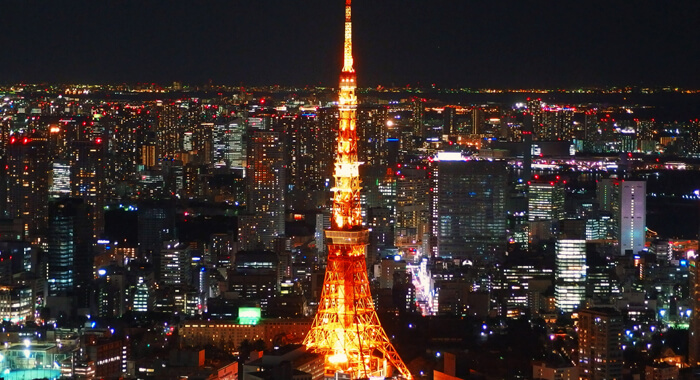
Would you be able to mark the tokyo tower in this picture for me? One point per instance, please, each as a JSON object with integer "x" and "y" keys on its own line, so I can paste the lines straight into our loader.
{"x": 346, "y": 329}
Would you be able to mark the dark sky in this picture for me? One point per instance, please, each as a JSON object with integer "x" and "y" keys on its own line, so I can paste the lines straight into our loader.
{"x": 448, "y": 42}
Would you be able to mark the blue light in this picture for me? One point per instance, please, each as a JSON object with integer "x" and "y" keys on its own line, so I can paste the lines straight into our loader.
{"x": 684, "y": 263}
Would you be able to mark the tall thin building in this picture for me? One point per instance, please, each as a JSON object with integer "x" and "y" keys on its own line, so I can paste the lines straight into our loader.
{"x": 69, "y": 250}
{"x": 632, "y": 217}
{"x": 266, "y": 185}
{"x": 694, "y": 329}
{"x": 27, "y": 184}
{"x": 570, "y": 274}
{"x": 599, "y": 344}
{"x": 346, "y": 329}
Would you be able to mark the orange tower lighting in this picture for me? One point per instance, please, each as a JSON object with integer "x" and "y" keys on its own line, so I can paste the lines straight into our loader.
{"x": 346, "y": 329}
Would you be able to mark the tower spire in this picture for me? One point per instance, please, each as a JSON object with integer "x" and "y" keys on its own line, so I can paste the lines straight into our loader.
{"x": 346, "y": 329}
{"x": 347, "y": 49}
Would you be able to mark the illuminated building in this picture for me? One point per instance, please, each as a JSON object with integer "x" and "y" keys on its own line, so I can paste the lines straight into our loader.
{"x": 27, "y": 184}
{"x": 229, "y": 144}
{"x": 69, "y": 250}
{"x": 468, "y": 210}
{"x": 142, "y": 284}
{"x": 632, "y": 217}
{"x": 626, "y": 201}
{"x": 16, "y": 303}
{"x": 545, "y": 201}
{"x": 599, "y": 344}
{"x": 88, "y": 179}
{"x": 554, "y": 371}
{"x": 346, "y": 329}
{"x": 570, "y": 274}
{"x": 256, "y": 276}
{"x": 174, "y": 264}
{"x": 109, "y": 355}
{"x": 372, "y": 134}
{"x": 110, "y": 289}
{"x": 60, "y": 179}
{"x": 266, "y": 186}
{"x": 412, "y": 201}
{"x": 228, "y": 335}
{"x": 694, "y": 329}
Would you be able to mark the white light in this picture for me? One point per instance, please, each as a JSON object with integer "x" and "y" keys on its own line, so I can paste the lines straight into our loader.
{"x": 449, "y": 156}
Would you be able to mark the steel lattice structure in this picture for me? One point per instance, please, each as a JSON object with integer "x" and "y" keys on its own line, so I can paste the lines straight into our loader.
{"x": 346, "y": 329}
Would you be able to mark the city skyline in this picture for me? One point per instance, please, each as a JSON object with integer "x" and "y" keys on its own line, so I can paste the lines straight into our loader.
{"x": 344, "y": 230}
{"x": 447, "y": 43}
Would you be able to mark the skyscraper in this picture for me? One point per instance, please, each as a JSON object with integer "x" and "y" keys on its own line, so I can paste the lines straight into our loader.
{"x": 632, "y": 217}
{"x": 599, "y": 344}
{"x": 694, "y": 329}
{"x": 69, "y": 250}
{"x": 468, "y": 210}
{"x": 27, "y": 184}
{"x": 570, "y": 274}
{"x": 266, "y": 185}
{"x": 545, "y": 200}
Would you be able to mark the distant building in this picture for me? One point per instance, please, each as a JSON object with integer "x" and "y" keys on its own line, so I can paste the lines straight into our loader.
{"x": 554, "y": 371}
{"x": 599, "y": 344}
{"x": 266, "y": 186}
{"x": 570, "y": 274}
{"x": 626, "y": 201}
{"x": 468, "y": 210}
{"x": 70, "y": 250}
{"x": 227, "y": 335}
{"x": 694, "y": 329}
{"x": 661, "y": 371}
{"x": 632, "y": 217}
{"x": 546, "y": 201}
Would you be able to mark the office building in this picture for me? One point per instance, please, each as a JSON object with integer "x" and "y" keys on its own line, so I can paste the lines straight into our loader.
{"x": 632, "y": 217}
{"x": 570, "y": 274}
{"x": 69, "y": 250}
{"x": 468, "y": 210}
{"x": 694, "y": 328}
{"x": 600, "y": 344}
{"x": 266, "y": 186}
{"x": 545, "y": 201}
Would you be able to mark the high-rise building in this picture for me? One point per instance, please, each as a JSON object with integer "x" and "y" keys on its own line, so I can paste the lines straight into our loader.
{"x": 545, "y": 200}
{"x": 69, "y": 250}
{"x": 88, "y": 179}
{"x": 625, "y": 200}
{"x": 632, "y": 217}
{"x": 155, "y": 225}
{"x": 600, "y": 344}
{"x": 266, "y": 185}
{"x": 27, "y": 184}
{"x": 175, "y": 264}
{"x": 412, "y": 207}
{"x": 570, "y": 274}
{"x": 229, "y": 144}
{"x": 468, "y": 210}
{"x": 694, "y": 329}
{"x": 59, "y": 184}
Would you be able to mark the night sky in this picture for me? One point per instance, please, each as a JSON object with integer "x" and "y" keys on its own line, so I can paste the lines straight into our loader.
{"x": 447, "y": 42}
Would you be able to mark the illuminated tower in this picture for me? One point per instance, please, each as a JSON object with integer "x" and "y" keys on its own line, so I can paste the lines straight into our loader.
{"x": 346, "y": 328}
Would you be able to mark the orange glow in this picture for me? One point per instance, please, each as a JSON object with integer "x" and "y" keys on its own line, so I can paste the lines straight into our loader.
{"x": 346, "y": 329}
